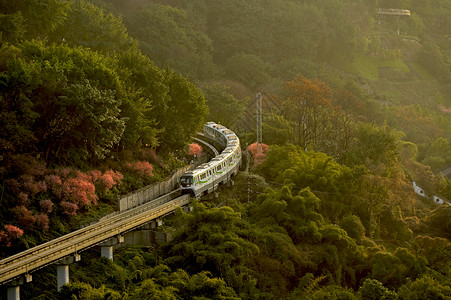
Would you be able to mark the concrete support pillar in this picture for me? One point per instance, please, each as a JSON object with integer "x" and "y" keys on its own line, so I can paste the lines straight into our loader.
{"x": 106, "y": 249}
{"x": 13, "y": 292}
{"x": 213, "y": 195}
{"x": 156, "y": 223}
{"x": 187, "y": 209}
{"x": 62, "y": 275}
{"x": 62, "y": 269}
{"x": 163, "y": 237}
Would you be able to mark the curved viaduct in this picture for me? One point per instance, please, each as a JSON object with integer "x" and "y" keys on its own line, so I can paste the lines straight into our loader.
{"x": 16, "y": 270}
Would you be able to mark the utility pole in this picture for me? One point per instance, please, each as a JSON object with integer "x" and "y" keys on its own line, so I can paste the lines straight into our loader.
{"x": 259, "y": 124}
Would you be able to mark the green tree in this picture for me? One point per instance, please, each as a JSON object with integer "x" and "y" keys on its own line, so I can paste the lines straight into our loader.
{"x": 12, "y": 27}
{"x": 184, "y": 112}
{"x": 248, "y": 69}
{"x": 149, "y": 290}
{"x": 40, "y": 18}
{"x": 92, "y": 27}
{"x": 224, "y": 107}
{"x": 84, "y": 291}
{"x": 277, "y": 129}
{"x": 87, "y": 126}
{"x": 353, "y": 227}
{"x": 374, "y": 290}
{"x": 424, "y": 288}
{"x": 18, "y": 79}
{"x": 169, "y": 39}
{"x": 145, "y": 91}
{"x": 374, "y": 145}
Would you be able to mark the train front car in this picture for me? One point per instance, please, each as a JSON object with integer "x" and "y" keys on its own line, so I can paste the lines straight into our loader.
{"x": 206, "y": 177}
{"x": 187, "y": 183}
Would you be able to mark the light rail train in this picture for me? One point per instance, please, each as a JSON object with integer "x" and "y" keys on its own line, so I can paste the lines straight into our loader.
{"x": 208, "y": 176}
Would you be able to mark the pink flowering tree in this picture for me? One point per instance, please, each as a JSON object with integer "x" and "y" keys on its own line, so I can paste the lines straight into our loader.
{"x": 55, "y": 183}
{"x": 43, "y": 221}
{"x": 23, "y": 198}
{"x": 80, "y": 191}
{"x": 141, "y": 168}
{"x": 8, "y": 235}
{"x": 46, "y": 206}
{"x": 258, "y": 156}
{"x": 24, "y": 216}
{"x": 69, "y": 208}
{"x": 195, "y": 150}
{"x": 110, "y": 178}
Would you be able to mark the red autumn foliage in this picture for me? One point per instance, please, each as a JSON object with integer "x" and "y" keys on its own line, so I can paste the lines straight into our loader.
{"x": 24, "y": 216}
{"x": 23, "y": 198}
{"x": 79, "y": 191}
{"x": 110, "y": 178}
{"x": 65, "y": 172}
{"x": 29, "y": 184}
{"x": 42, "y": 220}
{"x": 94, "y": 175}
{"x": 195, "y": 150}
{"x": 69, "y": 208}
{"x": 148, "y": 154}
{"x": 142, "y": 168}
{"x": 12, "y": 232}
{"x": 46, "y": 206}
{"x": 253, "y": 150}
{"x": 55, "y": 184}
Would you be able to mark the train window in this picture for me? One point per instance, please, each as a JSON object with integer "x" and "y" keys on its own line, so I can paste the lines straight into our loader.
{"x": 186, "y": 181}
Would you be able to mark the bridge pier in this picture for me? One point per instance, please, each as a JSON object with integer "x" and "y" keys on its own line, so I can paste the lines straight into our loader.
{"x": 187, "y": 209}
{"x": 62, "y": 269}
{"x": 107, "y": 247}
{"x": 13, "y": 292}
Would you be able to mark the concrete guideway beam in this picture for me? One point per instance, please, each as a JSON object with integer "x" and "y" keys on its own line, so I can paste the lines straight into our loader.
{"x": 55, "y": 250}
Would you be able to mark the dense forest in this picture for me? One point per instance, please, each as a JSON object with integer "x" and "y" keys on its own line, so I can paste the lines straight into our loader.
{"x": 102, "y": 97}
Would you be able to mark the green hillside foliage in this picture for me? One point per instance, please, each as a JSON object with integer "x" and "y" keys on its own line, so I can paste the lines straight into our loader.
{"x": 83, "y": 113}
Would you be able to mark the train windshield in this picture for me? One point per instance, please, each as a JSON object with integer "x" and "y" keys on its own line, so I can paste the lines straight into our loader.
{"x": 186, "y": 181}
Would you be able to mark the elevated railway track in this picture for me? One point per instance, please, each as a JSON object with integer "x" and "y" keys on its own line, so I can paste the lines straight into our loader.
{"x": 73, "y": 243}
{"x": 62, "y": 250}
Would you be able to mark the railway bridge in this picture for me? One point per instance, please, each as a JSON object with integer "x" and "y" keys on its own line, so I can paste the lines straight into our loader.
{"x": 106, "y": 233}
